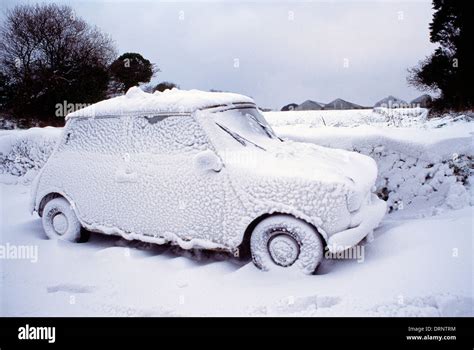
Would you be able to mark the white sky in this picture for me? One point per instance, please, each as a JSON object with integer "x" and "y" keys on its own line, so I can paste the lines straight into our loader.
{"x": 287, "y": 51}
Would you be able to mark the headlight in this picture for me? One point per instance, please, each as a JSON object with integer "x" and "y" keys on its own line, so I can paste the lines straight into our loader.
{"x": 354, "y": 201}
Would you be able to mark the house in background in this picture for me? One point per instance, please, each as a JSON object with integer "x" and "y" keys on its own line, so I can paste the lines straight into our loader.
{"x": 424, "y": 101}
{"x": 391, "y": 102}
{"x": 309, "y": 105}
{"x": 339, "y": 103}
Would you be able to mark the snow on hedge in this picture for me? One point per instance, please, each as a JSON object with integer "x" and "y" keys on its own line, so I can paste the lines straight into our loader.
{"x": 350, "y": 118}
{"x": 427, "y": 166}
{"x": 23, "y": 152}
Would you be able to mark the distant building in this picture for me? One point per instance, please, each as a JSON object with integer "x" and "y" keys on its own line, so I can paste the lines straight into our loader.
{"x": 309, "y": 105}
{"x": 423, "y": 101}
{"x": 339, "y": 103}
{"x": 391, "y": 102}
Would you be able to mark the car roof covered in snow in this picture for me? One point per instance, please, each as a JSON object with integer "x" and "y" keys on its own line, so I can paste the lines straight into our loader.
{"x": 136, "y": 101}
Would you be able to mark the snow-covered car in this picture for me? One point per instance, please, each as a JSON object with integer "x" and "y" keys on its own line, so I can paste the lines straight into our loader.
{"x": 204, "y": 170}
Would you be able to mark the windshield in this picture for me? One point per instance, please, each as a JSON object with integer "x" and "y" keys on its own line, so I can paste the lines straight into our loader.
{"x": 246, "y": 125}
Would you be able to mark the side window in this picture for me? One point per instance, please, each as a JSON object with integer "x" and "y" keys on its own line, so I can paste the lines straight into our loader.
{"x": 96, "y": 135}
{"x": 167, "y": 134}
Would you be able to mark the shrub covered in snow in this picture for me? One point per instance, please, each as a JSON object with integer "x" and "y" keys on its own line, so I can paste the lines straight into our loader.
{"x": 405, "y": 181}
{"x": 425, "y": 165}
{"x": 23, "y": 152}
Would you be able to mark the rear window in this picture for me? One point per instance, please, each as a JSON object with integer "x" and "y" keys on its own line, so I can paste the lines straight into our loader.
{"x": 99, "y": 135}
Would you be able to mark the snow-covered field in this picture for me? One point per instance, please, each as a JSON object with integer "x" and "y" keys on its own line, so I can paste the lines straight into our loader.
{"x": 419, "y": 264}
{"x": 412, "y": 268}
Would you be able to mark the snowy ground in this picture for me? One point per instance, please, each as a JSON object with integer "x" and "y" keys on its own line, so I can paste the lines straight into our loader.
{"x": 419, "y": 264}
{"x": 412, "y": 268}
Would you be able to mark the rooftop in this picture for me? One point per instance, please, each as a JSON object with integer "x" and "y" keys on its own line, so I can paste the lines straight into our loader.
{"x": 175, "y": 100}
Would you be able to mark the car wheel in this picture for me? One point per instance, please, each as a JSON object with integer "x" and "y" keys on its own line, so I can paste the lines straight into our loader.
{"x": 282, "y": 241}
{"x": 60, "y": 221}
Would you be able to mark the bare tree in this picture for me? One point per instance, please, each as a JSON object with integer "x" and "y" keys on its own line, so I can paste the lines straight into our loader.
{"x": 49, "y": 55}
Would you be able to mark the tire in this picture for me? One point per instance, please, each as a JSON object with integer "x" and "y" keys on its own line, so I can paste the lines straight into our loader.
{"x": 60, "y": 221}
{"x": 282, "y": 241}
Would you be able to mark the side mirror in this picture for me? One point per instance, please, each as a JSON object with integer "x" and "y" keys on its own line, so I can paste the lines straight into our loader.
{"x": 208, "y": 160}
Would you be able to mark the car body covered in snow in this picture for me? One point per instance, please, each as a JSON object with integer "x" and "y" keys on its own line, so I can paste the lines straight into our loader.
{"x": 204, "y": 170}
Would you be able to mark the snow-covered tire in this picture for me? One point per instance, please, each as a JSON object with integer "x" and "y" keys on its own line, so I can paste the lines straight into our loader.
{"x": 281, "y": 241}
{"x": 60, "y": 221}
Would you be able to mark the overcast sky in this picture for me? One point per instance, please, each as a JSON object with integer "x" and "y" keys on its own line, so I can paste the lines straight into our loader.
{"x": 275, "y": 51}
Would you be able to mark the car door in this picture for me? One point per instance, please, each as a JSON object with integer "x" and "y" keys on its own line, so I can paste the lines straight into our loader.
{"x": 85, "y": 172}
{"x": 170, "y": 195}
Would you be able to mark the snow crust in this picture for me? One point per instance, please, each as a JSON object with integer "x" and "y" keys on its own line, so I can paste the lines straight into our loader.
{"x": 174, "y": 100}
{"x": 145, "y": 182}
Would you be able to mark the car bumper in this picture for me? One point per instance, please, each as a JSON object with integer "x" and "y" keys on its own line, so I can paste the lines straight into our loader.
{"x": 367, "y": 219}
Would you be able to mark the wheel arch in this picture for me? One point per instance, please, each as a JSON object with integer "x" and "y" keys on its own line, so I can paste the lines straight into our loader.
{"x": 244, "y": 247}
{"x": 47, "y": 197}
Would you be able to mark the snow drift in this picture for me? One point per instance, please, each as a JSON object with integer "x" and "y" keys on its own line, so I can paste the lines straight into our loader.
{"x": 425, "y": 165}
